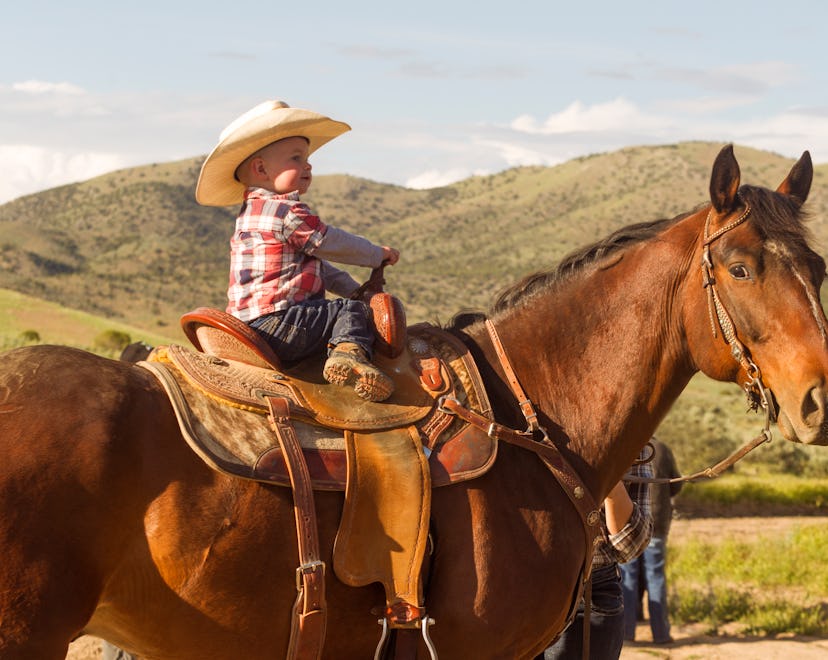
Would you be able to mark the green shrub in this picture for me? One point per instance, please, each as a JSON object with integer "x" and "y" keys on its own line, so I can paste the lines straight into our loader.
{"x": 754, "y": 495}
{"x": 30, "y": 337}
{"x": 112, "y": 340}
{"x": 777, "y": 617}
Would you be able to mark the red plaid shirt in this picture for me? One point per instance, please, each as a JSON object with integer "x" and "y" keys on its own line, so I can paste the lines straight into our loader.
{"x": 271, "y": 262}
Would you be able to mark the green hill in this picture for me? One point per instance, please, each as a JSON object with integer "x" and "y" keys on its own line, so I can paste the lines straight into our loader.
{"x": 26, "y": 320}
{"x": 134, "y": 250}
{"x": 134, "y": 246}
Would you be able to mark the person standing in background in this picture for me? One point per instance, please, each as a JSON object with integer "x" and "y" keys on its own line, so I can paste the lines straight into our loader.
{"x": 650, "y": 566}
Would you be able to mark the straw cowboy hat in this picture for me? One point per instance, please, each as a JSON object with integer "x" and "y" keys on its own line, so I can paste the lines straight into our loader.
{"x": 267, "y": 122}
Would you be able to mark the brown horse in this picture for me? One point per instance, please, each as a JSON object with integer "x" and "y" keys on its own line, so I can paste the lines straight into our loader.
{"x": 112, "y": 526}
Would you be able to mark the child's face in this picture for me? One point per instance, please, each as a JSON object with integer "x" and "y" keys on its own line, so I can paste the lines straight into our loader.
{"x": 285, "y": 166}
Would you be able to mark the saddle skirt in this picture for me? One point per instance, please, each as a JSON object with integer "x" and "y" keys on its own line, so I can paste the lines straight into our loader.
{"x": 221, "y": 408}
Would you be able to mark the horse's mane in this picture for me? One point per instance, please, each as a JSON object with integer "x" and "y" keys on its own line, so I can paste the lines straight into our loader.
{"x": 776, "y": 216}
{"x": 577, "y": 261}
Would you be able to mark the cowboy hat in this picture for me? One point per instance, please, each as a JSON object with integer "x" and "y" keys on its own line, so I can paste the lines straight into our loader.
{"x": 266, "y": 123}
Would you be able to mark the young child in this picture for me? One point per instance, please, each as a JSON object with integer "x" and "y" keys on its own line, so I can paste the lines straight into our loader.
{"x": 281, "y": 251}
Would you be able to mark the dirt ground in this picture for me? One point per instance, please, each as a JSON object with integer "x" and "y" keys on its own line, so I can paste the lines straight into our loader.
{"x": 690, "y": 642}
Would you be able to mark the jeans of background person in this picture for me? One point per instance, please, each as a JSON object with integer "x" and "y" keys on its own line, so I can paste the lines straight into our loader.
{"x": 606, "y": 622}
{"x": 305, "y": 329}
{"x": 652, "y": 562}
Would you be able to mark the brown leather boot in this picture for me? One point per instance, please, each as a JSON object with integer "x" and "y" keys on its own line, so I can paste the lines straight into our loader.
{"x": 348, "y": 365}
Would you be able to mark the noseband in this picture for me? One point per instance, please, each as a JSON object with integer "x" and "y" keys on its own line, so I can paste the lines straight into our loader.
{"x": 757, "y": 393}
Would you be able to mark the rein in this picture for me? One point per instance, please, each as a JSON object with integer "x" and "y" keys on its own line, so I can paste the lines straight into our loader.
{"x": 756, "y": 391}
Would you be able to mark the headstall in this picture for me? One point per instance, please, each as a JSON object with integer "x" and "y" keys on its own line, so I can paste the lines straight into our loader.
{"x": 757, "y": 394}
{"x": 755, "y": 389}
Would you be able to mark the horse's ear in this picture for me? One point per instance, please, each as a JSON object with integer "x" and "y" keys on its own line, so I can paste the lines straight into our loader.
{"x": 797, "y": 184}
{"x": 724, "y": 182}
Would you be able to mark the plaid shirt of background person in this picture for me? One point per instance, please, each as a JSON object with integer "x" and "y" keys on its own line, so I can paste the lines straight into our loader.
{"x": 630, "y": 541}
{"x": 270, "y": 266}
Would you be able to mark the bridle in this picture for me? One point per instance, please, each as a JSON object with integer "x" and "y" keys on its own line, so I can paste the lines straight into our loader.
{"x": 755, "y": 389}
{"x": 758, "y": 395}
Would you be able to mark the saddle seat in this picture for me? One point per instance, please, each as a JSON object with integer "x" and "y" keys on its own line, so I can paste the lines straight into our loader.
{"x": 218, "y": 333}
{"x": 234, "y": 363}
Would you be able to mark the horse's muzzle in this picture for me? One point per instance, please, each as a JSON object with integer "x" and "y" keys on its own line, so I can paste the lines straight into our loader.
{"x": 811, "y": 427}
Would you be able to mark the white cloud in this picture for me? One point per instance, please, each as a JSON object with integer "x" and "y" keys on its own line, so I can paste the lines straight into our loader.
{"x": 438, "y": 178}
{"x": 618, "y": 114}
{"x": 702, "y": 105}
{"x": 751, "y": 80}
{"x": 49, "y": 140}
{"x": 26, "y": 169}
{"x": 514, "y": 154}
{"x": 42, "y": 87}
{"x": 789, "y": 133}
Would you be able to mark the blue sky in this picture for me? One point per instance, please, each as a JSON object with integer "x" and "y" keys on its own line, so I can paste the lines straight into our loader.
{"x": 435, "y": 91}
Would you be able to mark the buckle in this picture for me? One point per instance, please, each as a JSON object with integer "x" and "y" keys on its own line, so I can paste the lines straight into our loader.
{"x": 305, "y": 569}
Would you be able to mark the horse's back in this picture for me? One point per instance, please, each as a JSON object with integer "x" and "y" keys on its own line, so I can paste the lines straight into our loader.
{"x": 72, "y": 490}
{"x": 108, "y": 517}
{"x": 112, "y": 526}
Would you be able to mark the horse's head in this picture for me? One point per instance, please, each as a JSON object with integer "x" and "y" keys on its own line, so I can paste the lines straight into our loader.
{"x": 766, "y": 327}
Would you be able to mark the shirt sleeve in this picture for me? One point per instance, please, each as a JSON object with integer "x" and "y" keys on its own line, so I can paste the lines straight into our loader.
{"x": 344, "y": 248}
{"x": 338, "y": 281}
{"x": 630, "y": 541}
{"x": 302, "y": 229}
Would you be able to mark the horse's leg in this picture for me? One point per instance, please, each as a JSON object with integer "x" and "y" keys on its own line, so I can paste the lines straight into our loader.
{"x": 65, "y": 481}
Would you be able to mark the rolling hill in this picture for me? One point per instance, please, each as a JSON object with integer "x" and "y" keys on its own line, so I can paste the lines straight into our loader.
{"x": 135, "y": 247}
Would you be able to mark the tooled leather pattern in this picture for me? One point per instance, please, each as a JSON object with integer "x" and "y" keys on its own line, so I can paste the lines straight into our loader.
{"x": 459, "y": 451}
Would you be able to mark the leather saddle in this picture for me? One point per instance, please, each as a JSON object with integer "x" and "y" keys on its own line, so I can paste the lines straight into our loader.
{"x": 241, "y": 412}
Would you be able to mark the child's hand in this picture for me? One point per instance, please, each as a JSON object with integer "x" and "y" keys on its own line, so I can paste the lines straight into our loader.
{"x": 390, "y": 255}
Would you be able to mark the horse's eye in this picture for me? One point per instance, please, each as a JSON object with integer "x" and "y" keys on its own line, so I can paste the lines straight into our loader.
{"x": 739, "y": 272}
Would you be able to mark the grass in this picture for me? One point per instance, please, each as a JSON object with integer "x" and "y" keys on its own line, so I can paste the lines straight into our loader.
{"x": 765, "y": 585}
{"x": 25, "y": 320}
{"x": 755, "y": 495}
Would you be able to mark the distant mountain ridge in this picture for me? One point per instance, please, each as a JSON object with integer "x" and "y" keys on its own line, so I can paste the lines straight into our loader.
{"x": 134, "y": 246}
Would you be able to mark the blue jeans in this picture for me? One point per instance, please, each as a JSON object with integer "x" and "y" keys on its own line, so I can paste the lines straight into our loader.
{"x": 606, "y": 622}
{"x": 652, "y": 565}
{"x": 308, "y": 328}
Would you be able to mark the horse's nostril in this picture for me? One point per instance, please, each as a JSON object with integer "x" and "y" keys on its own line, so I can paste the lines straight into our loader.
{"x": 813, "y": 407}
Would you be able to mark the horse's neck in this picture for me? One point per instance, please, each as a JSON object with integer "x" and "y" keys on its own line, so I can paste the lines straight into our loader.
{"x": 602, "y": 356}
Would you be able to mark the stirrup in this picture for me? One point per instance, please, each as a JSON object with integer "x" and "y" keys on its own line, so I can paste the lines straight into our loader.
{"x": 425, "y": 623}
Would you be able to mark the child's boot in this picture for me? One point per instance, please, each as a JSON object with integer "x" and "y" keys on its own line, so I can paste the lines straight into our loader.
{"x": 348, "y": 365}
